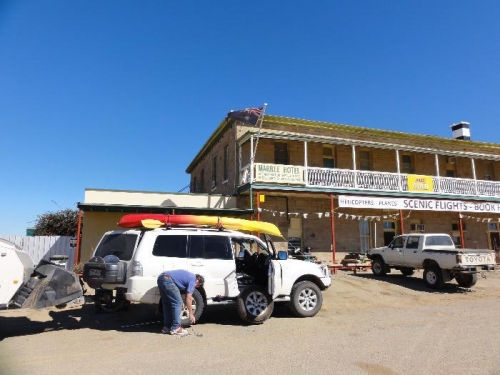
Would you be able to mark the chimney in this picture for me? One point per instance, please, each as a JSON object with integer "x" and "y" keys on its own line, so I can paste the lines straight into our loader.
{"x": 461, "y": 130}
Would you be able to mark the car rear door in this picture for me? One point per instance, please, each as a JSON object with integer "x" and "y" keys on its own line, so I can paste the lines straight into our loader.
{"x": 411, "y": 252}
{"x": 169, "y": 253}
{"x": 212, "y": 257}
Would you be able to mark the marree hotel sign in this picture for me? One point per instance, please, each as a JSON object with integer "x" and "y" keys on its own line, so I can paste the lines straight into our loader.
{"x": 417, "y": 204}
{"x": 287, "y": 174}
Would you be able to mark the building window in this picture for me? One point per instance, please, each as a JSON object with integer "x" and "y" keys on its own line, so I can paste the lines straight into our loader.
{"x": 450, "y": 173}
{"x": 226, "y": 163}
{"x": 456, "y": 226}
{"x": 417, "y": 226}
{"x": 488, "y": 172}
{"x": 202, "y": 181}
{"x": 328, "y": 158}
{"x": 389, "y": 225}
{"x": 194, "y": 188}
{"x": 214, "y": 172}
{"x": 281, "y": 153}
{"x": 365, "y": 161}
{"x": 407, "y": 164}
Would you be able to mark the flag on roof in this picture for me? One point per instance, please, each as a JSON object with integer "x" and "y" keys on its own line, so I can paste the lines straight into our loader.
{"x": 247, "y": 115}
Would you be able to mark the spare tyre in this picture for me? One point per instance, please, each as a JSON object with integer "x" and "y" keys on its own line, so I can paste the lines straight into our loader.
{"x": 198, "y": 306}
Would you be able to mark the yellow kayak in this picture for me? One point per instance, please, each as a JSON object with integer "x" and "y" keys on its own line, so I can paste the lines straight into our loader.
{"x": 159, "y": 220}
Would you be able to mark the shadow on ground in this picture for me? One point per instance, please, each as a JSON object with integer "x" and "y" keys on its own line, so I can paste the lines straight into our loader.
{"x": 137, "y": 318}
{"x": 415, "y": 283}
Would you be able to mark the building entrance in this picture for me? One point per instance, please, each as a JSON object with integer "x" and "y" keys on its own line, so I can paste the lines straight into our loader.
{"x": 494, "y": 239}
{"x": 389, "y": 232}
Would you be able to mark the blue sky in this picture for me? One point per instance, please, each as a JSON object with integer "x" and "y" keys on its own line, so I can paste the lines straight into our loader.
{"x": 122, "y": 94}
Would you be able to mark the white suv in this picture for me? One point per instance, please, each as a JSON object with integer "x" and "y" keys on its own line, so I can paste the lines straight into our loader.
{"x": 237, "y": 267}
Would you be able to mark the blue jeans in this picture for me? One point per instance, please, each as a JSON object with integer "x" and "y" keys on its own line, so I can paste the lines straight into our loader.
{"x": 171, "y": 303}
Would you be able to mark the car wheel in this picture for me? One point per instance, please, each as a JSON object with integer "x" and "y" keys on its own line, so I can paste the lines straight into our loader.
{"x": 433, "y": 277}
{"x": 255, "y": 305}
{"x": 305, "y": 299}
{"x": 466, "y": 280}
{"x": 198, "y": 305}
{"x": 378, "y": 267}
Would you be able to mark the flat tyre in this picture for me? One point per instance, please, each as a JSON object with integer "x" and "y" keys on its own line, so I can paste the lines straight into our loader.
{"x": 197, "y": 304}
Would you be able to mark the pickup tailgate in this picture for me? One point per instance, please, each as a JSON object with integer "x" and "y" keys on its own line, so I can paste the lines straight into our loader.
{"x": 473, "y": 257}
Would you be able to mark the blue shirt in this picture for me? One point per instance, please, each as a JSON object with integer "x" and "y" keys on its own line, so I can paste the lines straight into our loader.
{"x": 184, "y": 280}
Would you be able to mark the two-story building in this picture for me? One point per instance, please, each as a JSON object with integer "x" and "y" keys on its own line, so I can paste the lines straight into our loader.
{"x": 344, "y": 188}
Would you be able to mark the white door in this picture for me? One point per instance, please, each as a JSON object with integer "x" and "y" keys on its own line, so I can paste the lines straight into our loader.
{"x": 169, "y": 253}
{"x": 212, "y": 257}
{"x": 393, "y": 253}
{"x": 274, "y": 280}
{"x": 411, "y": 252}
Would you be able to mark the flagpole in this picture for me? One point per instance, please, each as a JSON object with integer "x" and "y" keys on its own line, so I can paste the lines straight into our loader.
{"x": 260, "y": 120}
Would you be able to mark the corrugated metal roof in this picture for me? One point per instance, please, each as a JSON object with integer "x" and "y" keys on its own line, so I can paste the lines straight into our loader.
{"x": 93, "y": 207}
{"x": 372, "y": 137}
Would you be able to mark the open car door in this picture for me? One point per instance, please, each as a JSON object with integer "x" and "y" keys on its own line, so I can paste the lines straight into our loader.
{"x": 274, "y": 270}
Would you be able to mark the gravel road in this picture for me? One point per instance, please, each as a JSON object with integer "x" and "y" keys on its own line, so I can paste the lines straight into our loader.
{"x": 368, "y": 325}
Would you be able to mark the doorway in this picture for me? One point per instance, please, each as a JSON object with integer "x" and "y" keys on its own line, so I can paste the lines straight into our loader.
{"x": 295, "y": 234}
{"x": 389, "y": 231}
{"x": 365, "y": 236}
{"x": 494, "y": 239}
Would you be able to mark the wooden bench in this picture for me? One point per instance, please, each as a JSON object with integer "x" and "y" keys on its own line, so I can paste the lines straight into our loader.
{"x": 355, "y": 267}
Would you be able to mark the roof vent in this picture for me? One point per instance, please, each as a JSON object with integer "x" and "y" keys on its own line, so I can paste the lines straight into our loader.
{"x": 461, "y": 130}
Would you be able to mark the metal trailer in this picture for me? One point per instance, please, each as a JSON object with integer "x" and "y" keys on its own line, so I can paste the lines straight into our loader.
{"x": 24, "y": 285}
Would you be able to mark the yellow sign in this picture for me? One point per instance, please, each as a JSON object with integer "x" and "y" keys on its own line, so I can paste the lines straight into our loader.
{"x": 420, "y": 184}
{"x": 262, "y": 198}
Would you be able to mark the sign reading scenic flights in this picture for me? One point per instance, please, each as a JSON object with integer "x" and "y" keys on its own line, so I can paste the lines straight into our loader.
{"x": 417, "y": 204}
{"x": 420, "y": 184}
{"x": 287, "y": 174}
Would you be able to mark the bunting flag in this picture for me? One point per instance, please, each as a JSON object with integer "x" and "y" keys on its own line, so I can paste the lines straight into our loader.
{"x": 247, "y": 115}
{"x": 480, "y": 219}
{"x": 326, "y": 215}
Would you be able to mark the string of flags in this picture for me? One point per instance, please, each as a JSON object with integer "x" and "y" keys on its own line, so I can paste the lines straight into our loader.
{"x": 319, "y": 215}
{"x": 480, "y": 219}
{"x": 340, "y": 215}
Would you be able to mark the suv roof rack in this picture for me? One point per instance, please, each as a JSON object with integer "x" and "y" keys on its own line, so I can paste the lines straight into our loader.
{"x": 152, "y": 221}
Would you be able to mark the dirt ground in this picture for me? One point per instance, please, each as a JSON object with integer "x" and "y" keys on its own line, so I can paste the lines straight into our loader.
{"x": 368, "y": 325}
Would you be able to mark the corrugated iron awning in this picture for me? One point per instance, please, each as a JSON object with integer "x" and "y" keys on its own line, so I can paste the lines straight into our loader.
{"x": 94, "y": 207}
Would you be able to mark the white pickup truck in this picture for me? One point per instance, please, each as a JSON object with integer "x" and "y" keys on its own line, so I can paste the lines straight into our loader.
{"x": 436, "y": 254}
